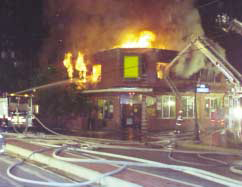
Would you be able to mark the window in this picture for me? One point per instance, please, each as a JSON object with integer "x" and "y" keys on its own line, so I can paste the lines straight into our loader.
{"x": 105, "y": 109}
{"x": 160, "y": 69}
{"x": 3, "y": 54}
{"x": 96, "y": 72}
{"x": 131, "y": 67}
{"x": 166, "y": 106}
{"x": 188, "y": 106}
{"x": 212, "y": 105}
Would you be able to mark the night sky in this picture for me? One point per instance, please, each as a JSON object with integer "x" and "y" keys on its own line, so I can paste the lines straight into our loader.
{"x": 24, "y": 24}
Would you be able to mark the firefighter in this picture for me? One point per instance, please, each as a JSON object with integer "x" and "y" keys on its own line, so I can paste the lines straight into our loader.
{"x": 179, "y": 121}
{"x": 4, "y": 124}
{"x": 92, "y": 119}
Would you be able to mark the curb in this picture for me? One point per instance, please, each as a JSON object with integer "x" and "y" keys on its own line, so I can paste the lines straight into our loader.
{"x": 234, "y": 169}
{"x": 208, "y": 148}
{"x": 69, "y": 168}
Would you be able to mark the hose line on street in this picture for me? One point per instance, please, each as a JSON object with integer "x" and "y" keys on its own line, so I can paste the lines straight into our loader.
{"x": 148, "y": 163}
{"x": 43, "y": 183}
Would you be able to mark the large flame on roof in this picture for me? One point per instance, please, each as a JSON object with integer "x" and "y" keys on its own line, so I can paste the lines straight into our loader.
{"x": 144, "y": 39}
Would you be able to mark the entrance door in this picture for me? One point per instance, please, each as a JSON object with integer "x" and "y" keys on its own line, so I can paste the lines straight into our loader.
{"x": 131, "y": 115}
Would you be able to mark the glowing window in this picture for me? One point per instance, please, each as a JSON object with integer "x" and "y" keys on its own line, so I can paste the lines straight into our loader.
{"x": 166, "y": 106}
{"x": 160, "y": 68}
{"x": 188, "y": 106}
{"x": 131, "y": 67}
{"x": 212, "y": 106}
{"x": 96, "y": 72}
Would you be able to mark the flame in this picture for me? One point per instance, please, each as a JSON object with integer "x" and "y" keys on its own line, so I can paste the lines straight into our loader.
{"x": 81, "y": 67}
{"x": 96, "y": 72}
{"x": 68, "y": 64}
{"x": 143, "y": 40}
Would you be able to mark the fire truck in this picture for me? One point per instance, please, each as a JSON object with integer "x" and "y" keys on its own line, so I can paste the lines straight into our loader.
{"x": 234, "y": 79}
{"x": 16, "y": 111}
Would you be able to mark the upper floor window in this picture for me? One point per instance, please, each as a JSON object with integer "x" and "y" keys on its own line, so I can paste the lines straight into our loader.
{"x": 131, "y": 66}
{"x": 12, "y": 54}
{"x": 160, "y": 69}
{"x": 96, "y": 72}
{"x": 3, "y": 54}
{"x": 188, "y": 106}
{"x": 166, "y": 106}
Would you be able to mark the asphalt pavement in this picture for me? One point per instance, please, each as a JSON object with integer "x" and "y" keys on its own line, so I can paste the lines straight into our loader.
{"x": 228, "y": 166}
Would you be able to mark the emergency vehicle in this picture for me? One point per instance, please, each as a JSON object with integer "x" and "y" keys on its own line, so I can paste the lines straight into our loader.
{"x": 16, "y": 110}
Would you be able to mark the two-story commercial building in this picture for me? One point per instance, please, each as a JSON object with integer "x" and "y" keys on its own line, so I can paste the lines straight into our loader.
{"x": 131, "y": 91}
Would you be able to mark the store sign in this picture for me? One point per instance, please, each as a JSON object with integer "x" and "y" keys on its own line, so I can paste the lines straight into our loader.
{"x": 202, "y": 89}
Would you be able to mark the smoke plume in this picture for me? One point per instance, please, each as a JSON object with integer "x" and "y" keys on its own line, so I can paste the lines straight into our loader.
{"x": 92, "y": 25}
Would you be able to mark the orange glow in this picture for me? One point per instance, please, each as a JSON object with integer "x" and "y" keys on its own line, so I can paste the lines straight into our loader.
{"x": 68, "y": 64}
{"x": 96, "y": 72}
{"x": 81, "y": 67}
{"x": 143, "y": 40}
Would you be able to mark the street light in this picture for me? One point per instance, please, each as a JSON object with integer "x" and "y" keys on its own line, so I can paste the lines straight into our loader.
{"x": 200, "y": 88}
{"x": 196, "y": 130}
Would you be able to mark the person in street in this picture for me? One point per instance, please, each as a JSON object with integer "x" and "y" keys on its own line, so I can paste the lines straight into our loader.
{"x": 4, "y": 124}
{"x": 179, "y": 121}
{"x": 92, "y": 119}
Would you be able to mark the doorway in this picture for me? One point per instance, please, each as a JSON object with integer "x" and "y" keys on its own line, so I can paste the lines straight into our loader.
{"x": 131, "y": 115}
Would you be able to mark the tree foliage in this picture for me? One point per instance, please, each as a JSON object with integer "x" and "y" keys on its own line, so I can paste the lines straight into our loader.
{"x": 58, "y": 102}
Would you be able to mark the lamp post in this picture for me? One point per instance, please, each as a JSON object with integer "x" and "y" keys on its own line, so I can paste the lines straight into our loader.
{"x": 199, "y": 88}
{"x": 196, "y": 129}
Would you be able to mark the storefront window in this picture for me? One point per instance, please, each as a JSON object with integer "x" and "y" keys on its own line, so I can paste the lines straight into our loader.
{"x": 212, "y": 106}
{"x": 188, "y": 106}
{"x": 166, "y": 106}
{"x": 105, "y": 109}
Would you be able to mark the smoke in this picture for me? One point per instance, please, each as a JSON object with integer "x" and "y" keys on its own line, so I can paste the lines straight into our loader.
{"x": 92, "y": 25}
{"x": 194, "y": 60}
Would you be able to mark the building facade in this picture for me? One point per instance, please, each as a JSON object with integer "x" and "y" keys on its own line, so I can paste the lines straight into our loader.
{"x": 131, "y": 91}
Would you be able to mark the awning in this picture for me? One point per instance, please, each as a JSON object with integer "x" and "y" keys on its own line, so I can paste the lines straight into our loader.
{"x": 123, "y": 89}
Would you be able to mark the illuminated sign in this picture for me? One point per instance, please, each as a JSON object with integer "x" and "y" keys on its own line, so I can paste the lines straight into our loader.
{"x": 202, "y": 89}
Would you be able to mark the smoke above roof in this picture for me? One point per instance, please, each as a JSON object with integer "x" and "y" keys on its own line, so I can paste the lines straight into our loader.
{"x": 92, "y": 25}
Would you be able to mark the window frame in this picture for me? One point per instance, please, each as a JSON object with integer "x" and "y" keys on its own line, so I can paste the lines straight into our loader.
{"x": 161, "y": 100}
{"x": 212, "y": 98}
{"x": 160, "y": 69}
{"x": 185, "y": 109}
{"x": 139, "y": 66}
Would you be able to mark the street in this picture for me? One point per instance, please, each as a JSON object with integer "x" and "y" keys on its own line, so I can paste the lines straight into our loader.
{"x": 138, "y": 163}
{"x": 26, "y": 171}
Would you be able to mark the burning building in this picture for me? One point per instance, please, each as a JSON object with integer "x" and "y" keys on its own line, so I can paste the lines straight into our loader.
{"x": 124, "y": 74}
{"x": 129, "y": 88}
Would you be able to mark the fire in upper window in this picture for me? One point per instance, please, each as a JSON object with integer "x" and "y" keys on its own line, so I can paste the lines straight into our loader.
{"x": 160, "y": 69}
{"x": 96, "y": 72}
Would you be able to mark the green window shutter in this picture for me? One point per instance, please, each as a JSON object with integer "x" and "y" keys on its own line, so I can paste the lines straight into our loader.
{"x": 131, "y": 66}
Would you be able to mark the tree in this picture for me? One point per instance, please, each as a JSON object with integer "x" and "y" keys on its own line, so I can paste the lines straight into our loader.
{"x": 58, "y": 103}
